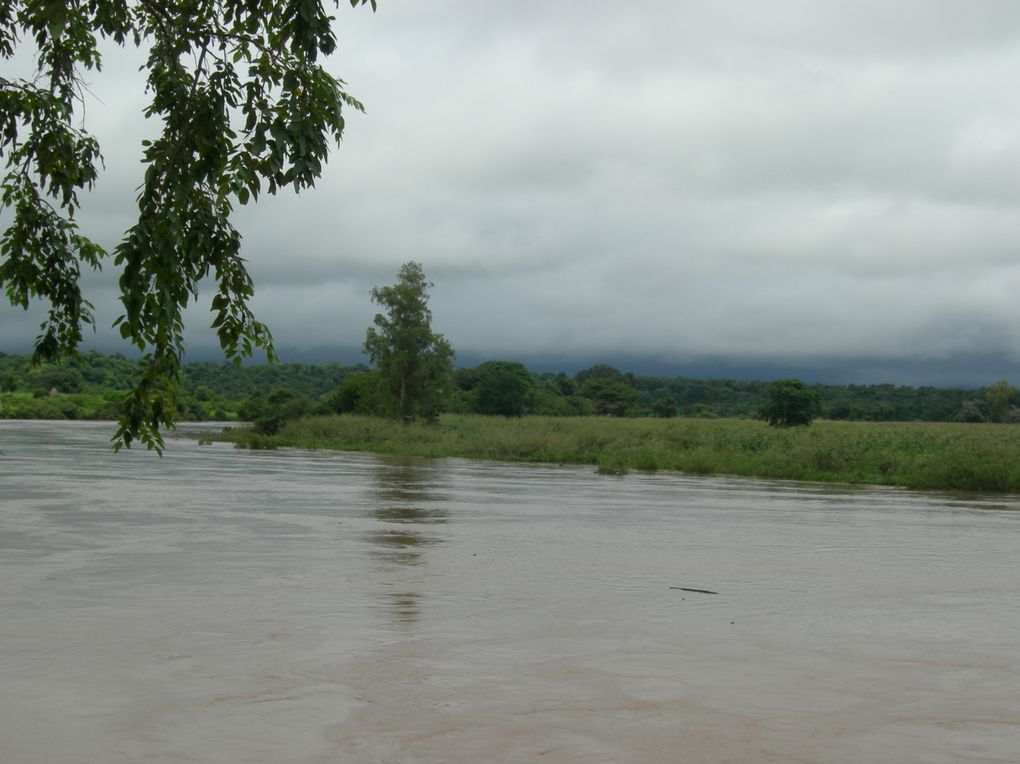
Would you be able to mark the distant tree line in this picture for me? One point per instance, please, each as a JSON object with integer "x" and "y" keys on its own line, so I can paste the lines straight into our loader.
{"x": 509, "y": 389}
{"x": 93, "y": 385}
{"x": 501, "y": 388}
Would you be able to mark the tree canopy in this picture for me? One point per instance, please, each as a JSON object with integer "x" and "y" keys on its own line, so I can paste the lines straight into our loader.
{"x": 998, "y": 396}
{"x": 791, "y": 403}
{"x": 503, "y": 388}
{"x": 245, "y": 106}
{"x": 415, "y": 364}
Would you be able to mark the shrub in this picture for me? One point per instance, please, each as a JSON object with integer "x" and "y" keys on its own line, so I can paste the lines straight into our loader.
{"x": 791, "y": 404}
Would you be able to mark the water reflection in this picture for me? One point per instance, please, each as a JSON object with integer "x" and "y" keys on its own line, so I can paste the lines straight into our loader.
{"x": 405, "y": 607}
{"x": 407, "y": 481}
{"x": 406, "y": 496}
{"x": 409, "y": 514}
{"x": 404, "y": 547}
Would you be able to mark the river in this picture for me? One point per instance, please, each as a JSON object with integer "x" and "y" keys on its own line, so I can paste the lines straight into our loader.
{"x": 217, "y": 605}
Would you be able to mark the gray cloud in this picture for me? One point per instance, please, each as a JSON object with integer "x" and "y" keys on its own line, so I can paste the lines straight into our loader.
{"x": 784, "y": 182}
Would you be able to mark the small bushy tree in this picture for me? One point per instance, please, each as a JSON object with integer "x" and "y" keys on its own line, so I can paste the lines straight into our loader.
{"x": 791, "y": 403}
{"x": 998, "y": 396}
{"x": 359, "y": 394}
{"x": 664, "y": 408}
{"x": 608, "y": 397}
{"x": 503, "y": 388}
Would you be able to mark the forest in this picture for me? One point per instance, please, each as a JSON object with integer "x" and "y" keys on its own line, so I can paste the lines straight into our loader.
{"x": 92, "y": 386}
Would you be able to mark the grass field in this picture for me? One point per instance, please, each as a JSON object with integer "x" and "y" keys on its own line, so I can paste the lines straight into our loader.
{"x": 921, "y": 455}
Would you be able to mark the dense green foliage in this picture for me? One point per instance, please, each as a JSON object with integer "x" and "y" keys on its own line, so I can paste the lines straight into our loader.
{"x": 361, "y": 393}
{"x": 496, "y": 388}
{"x": 217, "y": 390}
{"x": 937, "y": 456}
{"x": 93, "y": 386}
{"x": 415, "y": 364}
{"x": 997, "y": 396}
{"x": 791, "y": 403}
{"x": 244, "y": 105}
{"x": 70, "y": 406}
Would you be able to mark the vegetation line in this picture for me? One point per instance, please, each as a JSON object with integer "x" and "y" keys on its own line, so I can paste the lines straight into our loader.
{"x": 917, "y": 455}
{"x": 93, "y": 386}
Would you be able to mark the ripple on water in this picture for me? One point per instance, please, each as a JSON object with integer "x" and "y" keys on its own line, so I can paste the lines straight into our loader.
{"x": 225, "y": 605}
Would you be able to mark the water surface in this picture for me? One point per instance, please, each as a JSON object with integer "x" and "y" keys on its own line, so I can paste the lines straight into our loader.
{"x": 218, "y": 605}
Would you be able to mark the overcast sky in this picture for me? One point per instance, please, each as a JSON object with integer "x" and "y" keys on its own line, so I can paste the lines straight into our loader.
{"x": 694, "y": 188}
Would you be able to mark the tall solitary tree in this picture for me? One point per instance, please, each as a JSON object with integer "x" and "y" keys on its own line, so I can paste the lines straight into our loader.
{"x": 244, "y": 105}
{"x": 415, "y": 364}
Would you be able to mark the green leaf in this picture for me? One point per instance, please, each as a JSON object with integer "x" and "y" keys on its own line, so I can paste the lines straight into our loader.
{"x": 192, "y": 168}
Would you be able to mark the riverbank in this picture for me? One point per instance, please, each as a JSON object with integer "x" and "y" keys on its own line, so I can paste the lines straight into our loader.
{"x": 918, "y": 455}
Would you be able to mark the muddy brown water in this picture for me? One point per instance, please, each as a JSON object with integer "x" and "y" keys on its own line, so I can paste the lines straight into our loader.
{"x": 218, "y": 605}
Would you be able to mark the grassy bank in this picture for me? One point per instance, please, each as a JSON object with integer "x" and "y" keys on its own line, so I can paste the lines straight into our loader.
{"x": 920, "y": 455}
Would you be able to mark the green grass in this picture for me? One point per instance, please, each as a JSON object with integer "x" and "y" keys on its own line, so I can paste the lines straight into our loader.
{"x": 920, "y": 455}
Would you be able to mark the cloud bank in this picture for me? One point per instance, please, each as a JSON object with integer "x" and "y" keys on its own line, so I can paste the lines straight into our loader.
{"x": 786, "y": 184}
